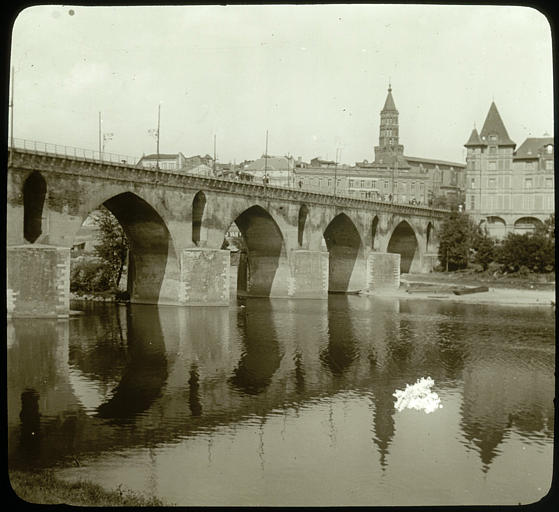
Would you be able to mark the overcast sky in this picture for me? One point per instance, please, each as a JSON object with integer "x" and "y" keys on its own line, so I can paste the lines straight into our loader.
{"x": 314, "y": 76}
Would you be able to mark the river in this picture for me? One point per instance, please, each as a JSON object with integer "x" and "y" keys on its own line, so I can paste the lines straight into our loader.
{"x": 289, "y": 402}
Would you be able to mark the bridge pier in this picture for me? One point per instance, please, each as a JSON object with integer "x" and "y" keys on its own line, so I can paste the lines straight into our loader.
{"x": 309, "y": 274}
{"x": 38, "y": 281}
{"x": 204, "y": 277}
{"x": 383, "y": 271}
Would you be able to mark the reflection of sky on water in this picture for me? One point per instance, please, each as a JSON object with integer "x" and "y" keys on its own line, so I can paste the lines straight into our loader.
{"x": 249, "y": 388}
{"x": 90, "y": 393}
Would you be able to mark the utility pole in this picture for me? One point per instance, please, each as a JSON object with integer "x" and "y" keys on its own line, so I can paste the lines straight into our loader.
{"x": 12, "y": 113}
{"x": 214, "y": 165}
{"x": 393, "y": 171}
{"x": 100, "y": 146}
{"x": 266, "y": 161}
{"x": 158, "y": 127}
{"x": 336, "y": 170}
{"x": 288, "y": 176}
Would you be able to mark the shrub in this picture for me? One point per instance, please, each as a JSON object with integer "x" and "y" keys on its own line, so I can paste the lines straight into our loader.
{"x": 535, "y": 251}
{"x": 89, "y": 277}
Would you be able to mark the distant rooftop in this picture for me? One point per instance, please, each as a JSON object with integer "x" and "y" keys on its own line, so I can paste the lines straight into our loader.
{"x": 531, "y": 146}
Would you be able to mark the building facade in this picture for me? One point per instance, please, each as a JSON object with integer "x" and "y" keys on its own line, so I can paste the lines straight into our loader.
{"x": 166, "y": 162}
{"x": 508, "y": 190}
{"x": 392, "y": 176}
{"x": 273, "y": 170}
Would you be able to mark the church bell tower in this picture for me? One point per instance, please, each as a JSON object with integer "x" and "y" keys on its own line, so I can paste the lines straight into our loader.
{"x": 389, "y": 149}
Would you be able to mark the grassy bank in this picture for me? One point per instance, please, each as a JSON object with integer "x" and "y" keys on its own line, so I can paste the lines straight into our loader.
{"x": 45, "y": 488}
{"x": 471, "y": 277}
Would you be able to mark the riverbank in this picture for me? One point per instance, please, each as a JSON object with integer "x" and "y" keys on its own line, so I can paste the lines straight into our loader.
{"x": 43, "y": 487}
{"x": 506, "y": 290}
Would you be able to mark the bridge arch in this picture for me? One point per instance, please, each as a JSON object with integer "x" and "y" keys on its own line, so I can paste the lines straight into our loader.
{"x": 153, "y": 267}
{"x": 266, "y": 260}
{"x": 403, "y": 241}
{"x": 345, "y": 249}
{"x": 34, "y": 194}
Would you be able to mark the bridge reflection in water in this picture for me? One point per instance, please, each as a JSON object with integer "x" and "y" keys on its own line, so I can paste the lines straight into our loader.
{"x": 313, "y": 381}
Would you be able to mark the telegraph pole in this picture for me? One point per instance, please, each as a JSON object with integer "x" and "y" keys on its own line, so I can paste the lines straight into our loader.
{"x": 158, "y": 127}
{"x": 214, "y": 166}
{"x": 100, "y": 146}
{"x": 393, "y": 171}
{"x": 336, "y": 170}
{"x": 12, "y": 116}
{"x": 266, "y": 161}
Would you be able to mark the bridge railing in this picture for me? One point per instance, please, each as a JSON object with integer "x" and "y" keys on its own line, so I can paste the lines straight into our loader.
{"x": 72, "y": 152}
{"x": 95, "y": 156}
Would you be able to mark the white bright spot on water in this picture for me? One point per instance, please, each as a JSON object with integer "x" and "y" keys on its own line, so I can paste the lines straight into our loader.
{"x": 418, "y": 396}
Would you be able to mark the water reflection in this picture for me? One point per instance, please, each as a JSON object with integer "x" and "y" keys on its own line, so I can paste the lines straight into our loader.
{"x": 194, "y": 391}
{"x": 261, "y": 352}
{"x": 30, "y": 417}
{"x": 342, "y": 347}
{"x": 145, "y": 373}
{"x": 125, "y": 378}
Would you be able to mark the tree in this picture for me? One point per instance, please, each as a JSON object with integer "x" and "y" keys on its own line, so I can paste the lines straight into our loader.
{"x": 534, "y": 251}
{"x": 113, "y": 245}
{"x": 456, "y": 240}
{"x": 484, "y": 247}
{"x": 547, "y": 228}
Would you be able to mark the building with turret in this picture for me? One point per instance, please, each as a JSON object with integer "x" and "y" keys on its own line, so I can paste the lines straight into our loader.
{"x": 508, "y": 190}
{"x": 392, "y": 176}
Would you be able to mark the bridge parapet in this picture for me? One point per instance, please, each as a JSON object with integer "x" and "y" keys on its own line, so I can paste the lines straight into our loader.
{"x": 84, "y": 166}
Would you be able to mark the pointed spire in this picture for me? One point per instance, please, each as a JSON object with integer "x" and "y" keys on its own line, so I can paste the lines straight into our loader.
{"x": 389, "y": 103}
{"x": 494, "y": 126}
{"x": 474, "y": 139}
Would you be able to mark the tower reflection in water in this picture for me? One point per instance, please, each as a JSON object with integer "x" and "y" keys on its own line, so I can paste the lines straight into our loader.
{"x": 125, "y": 377}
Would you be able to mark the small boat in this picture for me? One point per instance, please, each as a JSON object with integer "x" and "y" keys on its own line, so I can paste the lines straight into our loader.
{"x": 428, "y": 289}
{"x": 466, "y": 291}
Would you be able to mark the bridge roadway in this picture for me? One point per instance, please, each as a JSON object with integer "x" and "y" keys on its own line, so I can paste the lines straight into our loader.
{"x": 300, "y": 243}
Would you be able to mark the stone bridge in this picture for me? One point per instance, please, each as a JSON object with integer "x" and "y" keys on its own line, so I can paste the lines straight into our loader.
{"x": 300, "y": 244}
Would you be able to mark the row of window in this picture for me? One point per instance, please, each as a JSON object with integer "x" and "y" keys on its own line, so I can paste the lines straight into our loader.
{"x": 505, "y": 165}
{"x": 526, "y": 202}
{"x": 370, "y": 184}
{"x": 527, "y": 184}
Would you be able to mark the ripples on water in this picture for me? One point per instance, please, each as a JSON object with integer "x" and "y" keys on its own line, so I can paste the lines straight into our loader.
{"x": 289, "y": 402}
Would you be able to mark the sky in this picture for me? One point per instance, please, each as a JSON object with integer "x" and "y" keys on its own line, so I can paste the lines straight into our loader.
{"x": 315, "y": 77}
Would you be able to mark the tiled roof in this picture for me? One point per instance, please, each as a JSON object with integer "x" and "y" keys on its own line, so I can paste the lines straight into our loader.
{"x": 531, "y": 146}
{"x": 494, "y": 126}
{"x": 162, "y": 156}
{"x": 430, "y": 161}
{"x": 272, "y": 163}
{"x": 474, "y": 139}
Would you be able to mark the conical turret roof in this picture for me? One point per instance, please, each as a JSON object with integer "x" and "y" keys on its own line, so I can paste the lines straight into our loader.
{"x": 474, "y": 139}
{"x": 389, "y": 103}
{"x": 494, "y": 126}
